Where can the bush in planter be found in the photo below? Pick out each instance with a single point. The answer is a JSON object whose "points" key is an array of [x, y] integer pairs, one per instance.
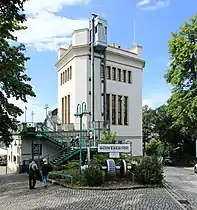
{"points": [[92, 176], [149, 171], [60, 168], [72, 165]]}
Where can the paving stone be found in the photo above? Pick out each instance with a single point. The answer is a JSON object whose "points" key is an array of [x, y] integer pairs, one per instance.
{"points": [[15, 195]]}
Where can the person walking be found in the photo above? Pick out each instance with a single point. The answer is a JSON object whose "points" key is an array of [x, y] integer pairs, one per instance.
{"points": [[33, 168], [46, 168]]}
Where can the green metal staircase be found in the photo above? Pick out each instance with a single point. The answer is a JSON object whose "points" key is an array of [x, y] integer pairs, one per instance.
{"points": [[62, 156], [52, 136], [66, 152]]}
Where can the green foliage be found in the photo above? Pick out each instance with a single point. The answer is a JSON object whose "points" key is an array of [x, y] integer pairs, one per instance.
{"points": [[182, 75], [60, 168], [148, 122], [149, 171], [108, 138], [72, 165], [13, 80], [99, 159], [92, 176], [156, 147]]}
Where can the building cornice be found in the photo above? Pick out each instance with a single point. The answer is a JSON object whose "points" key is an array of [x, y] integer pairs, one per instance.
{"points": [[63, 60]]}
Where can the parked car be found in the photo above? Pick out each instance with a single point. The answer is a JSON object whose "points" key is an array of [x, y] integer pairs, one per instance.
{"points": [[168, 161]]}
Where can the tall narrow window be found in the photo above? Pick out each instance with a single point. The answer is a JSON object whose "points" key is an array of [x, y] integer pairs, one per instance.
{"points": [[113, 73], [113, 110], [119, 75], [66, 75], [62, 110], [129, 76], [108, 107], [125, 110], [119, 110], [61, 79], [102, 71], [124, 75], [68, 109], [70, 72], [108, 72]]}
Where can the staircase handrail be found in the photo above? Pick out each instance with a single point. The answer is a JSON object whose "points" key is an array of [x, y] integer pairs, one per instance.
{"points": [[54, 154], [52, 130]]}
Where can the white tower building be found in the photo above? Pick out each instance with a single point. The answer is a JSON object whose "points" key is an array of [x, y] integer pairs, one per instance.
{"points": [[124, 87]]}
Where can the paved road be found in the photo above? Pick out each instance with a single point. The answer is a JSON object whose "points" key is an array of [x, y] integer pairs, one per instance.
{"points": [[15, 195], [183, 184]]}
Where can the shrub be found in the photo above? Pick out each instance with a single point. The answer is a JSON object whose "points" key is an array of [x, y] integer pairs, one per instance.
{"points": [[155, 147], [75, 173], [72, 165], [149, 171], [100, 159], [92, 176], [60, 168]]}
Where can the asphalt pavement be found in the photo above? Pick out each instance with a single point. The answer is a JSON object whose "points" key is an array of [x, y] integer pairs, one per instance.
{"points": [[182, 184]]}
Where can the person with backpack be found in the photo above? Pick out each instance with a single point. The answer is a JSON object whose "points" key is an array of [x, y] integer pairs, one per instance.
{"points": [[46, 168], [33, 168]]}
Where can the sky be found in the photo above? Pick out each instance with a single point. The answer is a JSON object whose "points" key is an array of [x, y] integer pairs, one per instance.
{"points": [[50, 25]]}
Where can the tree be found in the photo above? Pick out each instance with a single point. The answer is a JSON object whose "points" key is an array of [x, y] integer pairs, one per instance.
{"points": [[13, 80], [148, 122], [182, 75], [167, 133]]}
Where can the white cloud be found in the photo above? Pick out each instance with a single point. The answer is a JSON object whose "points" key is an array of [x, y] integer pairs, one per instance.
{"points": [[38, 6], [152, 4], [46, 29], [156, 99]]}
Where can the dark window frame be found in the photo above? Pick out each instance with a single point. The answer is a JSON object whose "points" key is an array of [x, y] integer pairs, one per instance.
{"points": [[119, 110], [113, 109], [126, 110], [124, 75], [119, 75]]}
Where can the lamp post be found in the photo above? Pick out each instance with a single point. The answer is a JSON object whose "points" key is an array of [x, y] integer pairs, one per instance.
{"points": [[81, 111]]}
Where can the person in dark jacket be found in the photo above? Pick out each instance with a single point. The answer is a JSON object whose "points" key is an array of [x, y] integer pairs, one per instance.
{"points": [[33, 168], [46, 168]]}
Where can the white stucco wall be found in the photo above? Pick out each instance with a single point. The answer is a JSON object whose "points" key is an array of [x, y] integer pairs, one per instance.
{"points": [[25, 151]]}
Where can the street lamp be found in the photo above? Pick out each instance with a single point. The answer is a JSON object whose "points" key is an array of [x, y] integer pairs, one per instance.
{"points": [[81, 111]]}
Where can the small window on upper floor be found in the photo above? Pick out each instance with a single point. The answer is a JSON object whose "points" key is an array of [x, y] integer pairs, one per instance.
{"points": [[70, 72], [124, 75], [119, 75], [129, 76], [61, 79], [108, 72], [113, 73], [102, 71], [66, 75]]}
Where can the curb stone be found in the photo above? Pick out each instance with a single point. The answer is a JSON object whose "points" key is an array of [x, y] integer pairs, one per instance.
{"points": [[135, 187]]}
